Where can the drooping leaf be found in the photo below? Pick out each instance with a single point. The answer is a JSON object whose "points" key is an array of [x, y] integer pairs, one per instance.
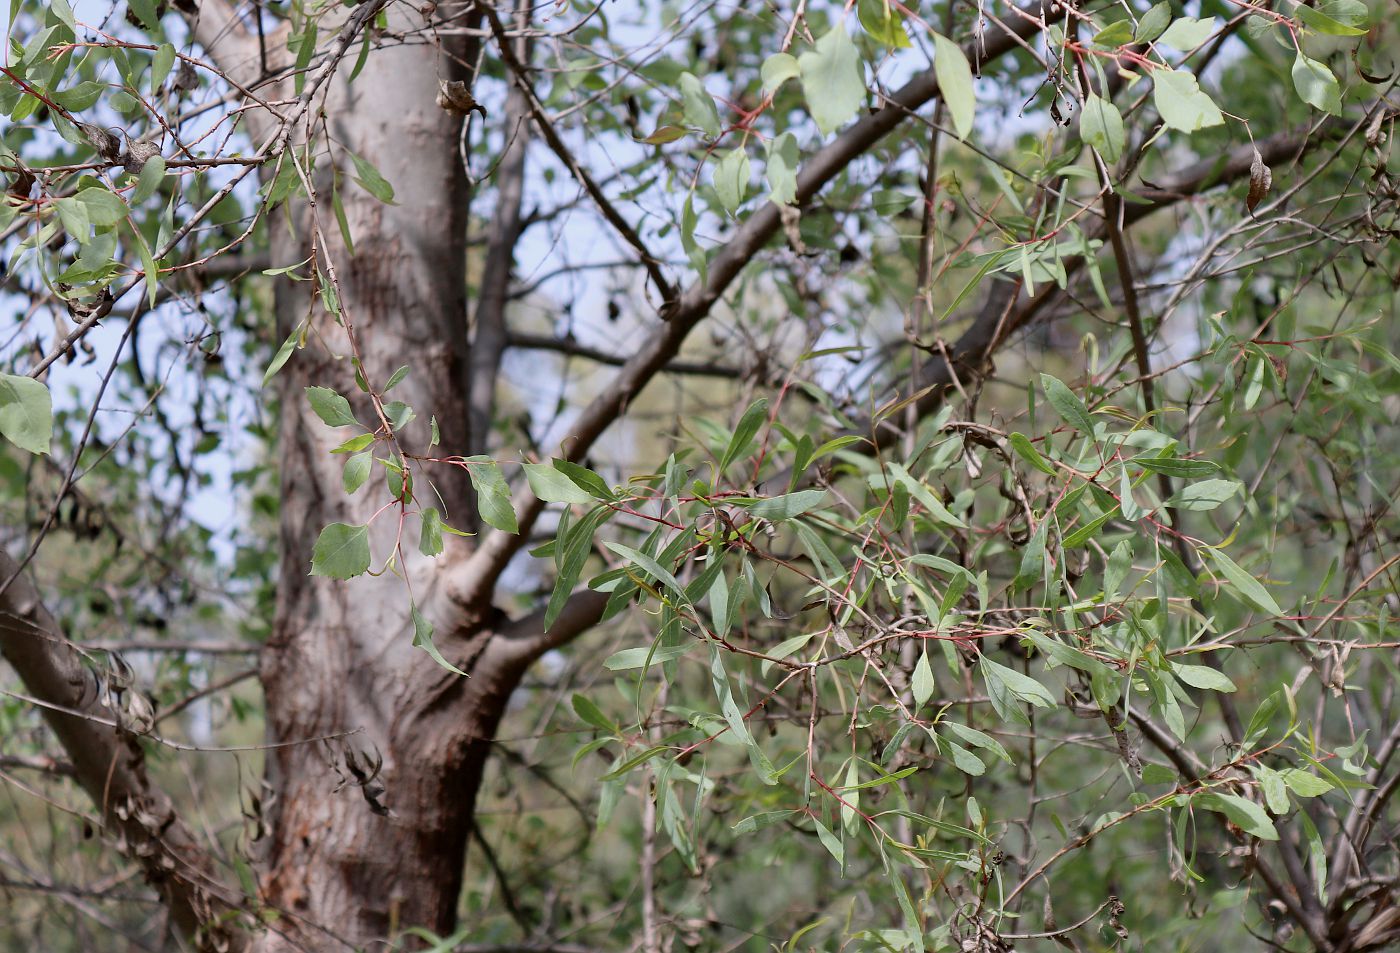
{"points": [[1188, 33], [371, 181], [492, 494], [551, 486], [341, 551], [698, 106], [1316, 85], [832, 79], [883, 23], [423, 639], [430, 532], [732, 178], [26, 413], [333, 409], [357, 470], [1244, 585], [955, 83], [1181, 103], [1067, 405], [1101, 126], [781, 171]]}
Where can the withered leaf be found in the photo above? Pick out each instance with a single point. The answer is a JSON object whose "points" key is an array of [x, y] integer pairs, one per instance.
{"points": [[1261, 179]]}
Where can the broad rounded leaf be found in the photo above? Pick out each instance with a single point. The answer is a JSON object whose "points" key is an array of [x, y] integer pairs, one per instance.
{"points": [[1181, 103], [832, 79], [1316, 85], [26, 413], [341, 552], [333, 409], [1101, 126]]}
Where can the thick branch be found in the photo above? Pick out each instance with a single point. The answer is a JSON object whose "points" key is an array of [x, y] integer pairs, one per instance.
{"points": [[110, 765]]}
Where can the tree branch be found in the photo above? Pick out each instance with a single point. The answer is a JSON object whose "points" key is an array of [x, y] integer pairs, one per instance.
{"points": [[109, 763], [572, 348], [477, 575]]}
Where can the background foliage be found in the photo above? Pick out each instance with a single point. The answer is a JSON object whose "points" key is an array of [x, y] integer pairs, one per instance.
{"points": [[1008, 562]]}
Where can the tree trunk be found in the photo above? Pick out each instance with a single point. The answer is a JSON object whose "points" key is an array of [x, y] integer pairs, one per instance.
{"points": [[355, 858]]}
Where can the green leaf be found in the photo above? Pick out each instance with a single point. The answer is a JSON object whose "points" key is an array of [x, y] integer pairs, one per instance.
{"points": [[551, 486], [779, 508], [574, 544], [1158, 774], [357, 471], [883, 24], [978, 739], [590, 482], [648, 564], [1316, 85], [698, 106], [832, 79], [355, 444], [1101, 126], [645, 655], [664, 135], [922, 682], [1304, 783], [743, 436], [371, 181], [1180, 102], [926, 499], [333, 409], [1188, 33], [1118, 33], [1070, 408], [1242, 812], [1023, 687], [395, 377], [1027, 451], [152, 173], [1177, 467], [63, 11], [103, 208], [781, 171], [398, 414], [430, 532], [732, 178], [146, 12], [954, 75], [149, 267], [777, 70], [830, 841], [492, 494], [1066, 654], [423, 639], [1153, 22], [1203, 677], [758, 822], [1327, 25], [26, 413], [161, 64], [1244, 585], [591, 714], [341, 551], [1205, 495]]}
